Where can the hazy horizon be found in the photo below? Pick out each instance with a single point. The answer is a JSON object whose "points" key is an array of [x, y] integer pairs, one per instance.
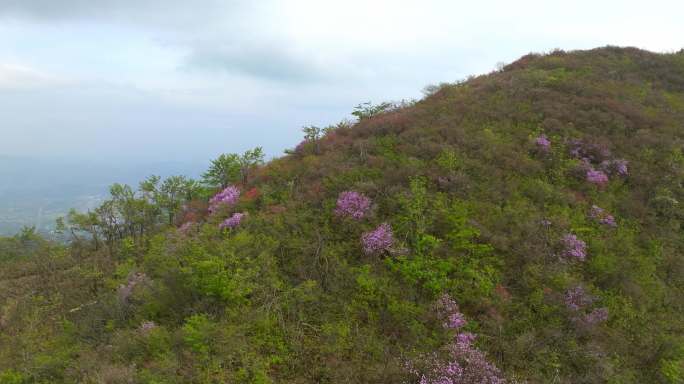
{"points": [[35, 191], [156, 80]]}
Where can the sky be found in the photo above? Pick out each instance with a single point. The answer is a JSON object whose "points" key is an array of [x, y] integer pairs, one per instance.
{"points": [[161, 80]]}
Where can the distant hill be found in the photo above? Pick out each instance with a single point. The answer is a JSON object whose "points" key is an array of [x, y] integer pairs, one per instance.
{"points": [[523, 226], [35, 191]]}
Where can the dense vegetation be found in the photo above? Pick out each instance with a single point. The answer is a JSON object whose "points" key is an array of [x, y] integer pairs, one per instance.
{"points": [[522, 226]]}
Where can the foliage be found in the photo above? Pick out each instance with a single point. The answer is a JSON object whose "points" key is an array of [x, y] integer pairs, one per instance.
{"points": [[231, 168], [480, 196], [367, 110]]}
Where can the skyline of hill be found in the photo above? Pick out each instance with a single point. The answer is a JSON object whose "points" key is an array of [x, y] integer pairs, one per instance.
{"points": [[522, 226]]}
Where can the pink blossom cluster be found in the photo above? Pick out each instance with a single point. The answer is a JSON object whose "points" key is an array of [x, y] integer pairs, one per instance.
{"points": [[591, 174], [473, 364], [378, 240], [598, 315], [434, 370], [465, 338], [465, 365], [591, 154], [616, 166], [233, 221], [543, 143], [455, 321], [597, 177], [229, 196], [621, 167], [602, 216], [576, 298], [574, 247], [352, 204], [448, 309], [595, 152]]}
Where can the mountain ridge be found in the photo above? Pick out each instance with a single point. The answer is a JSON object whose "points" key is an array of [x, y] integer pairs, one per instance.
{"points": [[519, 226]]}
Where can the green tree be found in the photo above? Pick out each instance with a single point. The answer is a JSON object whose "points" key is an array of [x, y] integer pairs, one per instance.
{"points": [[229, 168], [367, 110], [312, 134], [250, 160], [169, 196], [223, 171], [80, 224], [173, 192]]}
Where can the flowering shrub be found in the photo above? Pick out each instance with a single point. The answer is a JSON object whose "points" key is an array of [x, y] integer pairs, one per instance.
{"points": [[352, 204], [448, 309], [602, 216], [232, 221], [598, 315], [466, 364], [621, 167], [591, 155], [597, 177], [574, 247], [576, 298], [465, 338], [543, 143], [379, 240], [229, 196], [618, 167], [455, 321], [591, 151]]}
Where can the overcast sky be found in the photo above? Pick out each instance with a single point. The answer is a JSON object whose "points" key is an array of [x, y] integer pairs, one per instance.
{"points": [[189, 79]]}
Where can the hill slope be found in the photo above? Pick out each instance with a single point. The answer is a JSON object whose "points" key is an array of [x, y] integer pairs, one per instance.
{"points": [[521, 226]]}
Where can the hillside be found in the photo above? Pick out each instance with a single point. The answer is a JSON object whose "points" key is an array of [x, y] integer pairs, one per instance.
{"points": [[521, 226]]}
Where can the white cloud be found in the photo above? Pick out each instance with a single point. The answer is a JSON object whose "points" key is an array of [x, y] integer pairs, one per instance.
{"points": [[210, 68], [20, 77]]}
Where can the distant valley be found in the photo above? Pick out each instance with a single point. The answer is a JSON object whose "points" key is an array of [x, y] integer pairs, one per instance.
{"points": [[35, 192]]}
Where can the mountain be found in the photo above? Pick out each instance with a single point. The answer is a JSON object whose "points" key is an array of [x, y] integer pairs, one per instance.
{"points": [[522, 226]]}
